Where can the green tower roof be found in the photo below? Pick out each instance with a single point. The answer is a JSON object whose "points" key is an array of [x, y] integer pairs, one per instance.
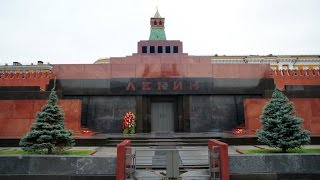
{"points": [[157, 14], [157, 33]]}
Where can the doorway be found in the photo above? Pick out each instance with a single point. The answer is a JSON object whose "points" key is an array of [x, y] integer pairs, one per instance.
{"points": [[162, 117]]}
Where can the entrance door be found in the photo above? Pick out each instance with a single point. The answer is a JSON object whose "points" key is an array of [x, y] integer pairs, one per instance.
{"points": [[162, 117]]}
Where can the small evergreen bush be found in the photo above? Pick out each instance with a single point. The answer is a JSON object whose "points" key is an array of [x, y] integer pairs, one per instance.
{"points": [[48, 132], [281, 128]]}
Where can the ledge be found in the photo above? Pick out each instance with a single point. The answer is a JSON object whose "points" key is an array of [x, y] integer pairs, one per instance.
{"points": [[275, 163], [106, 166], [57, 165]]}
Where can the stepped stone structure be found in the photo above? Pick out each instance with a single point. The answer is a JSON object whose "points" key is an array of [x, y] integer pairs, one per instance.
{"points": [[167, 89]]}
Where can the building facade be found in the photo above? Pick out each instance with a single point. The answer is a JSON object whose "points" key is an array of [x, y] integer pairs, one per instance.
{"points": [[167, 89], [281, 62], [17, 67]]}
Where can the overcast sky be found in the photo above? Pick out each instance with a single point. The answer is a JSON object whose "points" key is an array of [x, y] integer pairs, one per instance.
{"points": [[82, 31]]}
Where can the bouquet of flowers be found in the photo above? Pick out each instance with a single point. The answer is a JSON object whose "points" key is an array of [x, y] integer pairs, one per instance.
{"points": [[129, 123]]}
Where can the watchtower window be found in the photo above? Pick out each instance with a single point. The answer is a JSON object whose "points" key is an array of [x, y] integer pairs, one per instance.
{"points": [[152, 49], [168, 49], [144, 49], [175, 49], [154, 22], [160, 50], [160, 22]]}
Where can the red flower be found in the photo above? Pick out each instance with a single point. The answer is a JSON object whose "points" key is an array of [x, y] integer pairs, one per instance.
{"points": [[128, 120]]}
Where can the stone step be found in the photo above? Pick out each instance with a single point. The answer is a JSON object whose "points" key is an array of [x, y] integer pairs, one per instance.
{"points": [[162, 142]]}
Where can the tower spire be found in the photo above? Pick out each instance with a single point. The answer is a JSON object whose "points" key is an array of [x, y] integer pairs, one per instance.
{"points": [[157, 14], [157, 27]]}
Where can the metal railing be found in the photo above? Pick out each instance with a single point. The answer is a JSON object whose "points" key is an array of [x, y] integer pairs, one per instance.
{"points": [[215, 163], [161, 162]]}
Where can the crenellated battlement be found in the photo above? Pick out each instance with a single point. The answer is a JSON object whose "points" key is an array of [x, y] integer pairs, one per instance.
{"points": [[40, 79], [295, 77], [40, 75], [306, 73]]}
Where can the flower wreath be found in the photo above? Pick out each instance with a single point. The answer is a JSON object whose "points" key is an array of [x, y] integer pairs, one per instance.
{"points": [[129, 122]]}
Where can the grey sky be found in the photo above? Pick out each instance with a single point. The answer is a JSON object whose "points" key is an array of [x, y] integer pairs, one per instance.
{"points": [[82, 31]]}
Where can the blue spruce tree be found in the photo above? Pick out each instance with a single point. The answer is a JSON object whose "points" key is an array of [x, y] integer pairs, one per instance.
{"points": [[281, 128], [48, 132]]}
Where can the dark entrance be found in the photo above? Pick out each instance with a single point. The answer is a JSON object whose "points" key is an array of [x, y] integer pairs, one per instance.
{"points": [[162, 117], [163, 114]]}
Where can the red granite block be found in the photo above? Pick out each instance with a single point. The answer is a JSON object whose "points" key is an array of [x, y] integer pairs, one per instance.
{"points": [[14, 127], [171, 59], [173, 70], [70, 71], [18, 115], [132, 60], [315, 107], [97, 71], [315, 128], [23, 109], [205, 60], [241, 71], [6, 109], [148, 70], [252, 111], [303, 107], [150, 59], [56, 69], [190, 59], [37, 106], [123, 70], [303, 110], [225, 70], [250, 71], [199, 70], [72, 111]]}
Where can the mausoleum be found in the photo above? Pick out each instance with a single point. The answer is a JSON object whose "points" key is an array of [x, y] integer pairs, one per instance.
{"points": [[167, 89]]}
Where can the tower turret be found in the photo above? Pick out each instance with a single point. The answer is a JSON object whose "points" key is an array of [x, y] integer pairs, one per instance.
{"points": [[157, 27], [158, 43]]}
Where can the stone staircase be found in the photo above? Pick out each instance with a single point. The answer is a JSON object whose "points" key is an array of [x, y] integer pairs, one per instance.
{"points": [[159, 141], [162, 162]]}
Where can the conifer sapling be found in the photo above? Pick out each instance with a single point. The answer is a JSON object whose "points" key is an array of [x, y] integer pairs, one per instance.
{"points": [[48, 132], [281, 128]]}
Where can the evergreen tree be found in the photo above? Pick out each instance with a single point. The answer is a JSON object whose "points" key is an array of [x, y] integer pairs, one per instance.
{"points": [[48, 132], [281, 128]]}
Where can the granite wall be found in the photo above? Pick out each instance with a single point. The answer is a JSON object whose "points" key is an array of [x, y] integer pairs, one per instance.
{"points": [[200, 113], [217, 112], [57, 165], [67, 167], [104, 114], [275, 163]]}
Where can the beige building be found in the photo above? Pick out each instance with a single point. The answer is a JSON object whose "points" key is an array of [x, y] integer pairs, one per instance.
{"points": [[277, 62], [17, 67]]}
